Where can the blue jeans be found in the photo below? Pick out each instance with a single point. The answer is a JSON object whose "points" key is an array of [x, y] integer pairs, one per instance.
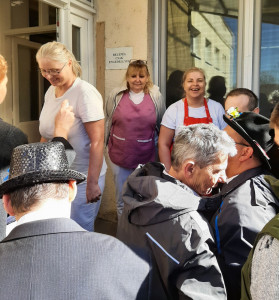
{"points": [[119, 175]]}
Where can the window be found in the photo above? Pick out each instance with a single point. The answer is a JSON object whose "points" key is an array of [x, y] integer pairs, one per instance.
{"points": [[195, 42], [26, 14], [76, 42], [202, 34], [217, 59], [89, 2], [208, 51], [269, 65]]}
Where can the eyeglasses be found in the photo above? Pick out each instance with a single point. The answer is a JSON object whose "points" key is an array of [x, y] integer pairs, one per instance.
{"points": [[52, 72], [137, 62]]}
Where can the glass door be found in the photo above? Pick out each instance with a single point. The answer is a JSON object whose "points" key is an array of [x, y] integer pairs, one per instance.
{"points": [[80, 43], [28, 88]]}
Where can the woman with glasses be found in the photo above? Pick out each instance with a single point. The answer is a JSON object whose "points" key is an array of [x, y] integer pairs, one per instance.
{"points": [[194, 108], [133, 116], [59, 66]]}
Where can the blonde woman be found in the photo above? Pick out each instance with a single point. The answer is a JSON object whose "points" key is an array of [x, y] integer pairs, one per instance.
{"points": [[133, 115], [59, 66], [194, 108]]}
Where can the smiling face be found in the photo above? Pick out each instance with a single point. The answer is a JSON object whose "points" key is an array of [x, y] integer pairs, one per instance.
{"points": [[65, 71], [204, 179], [137, 79], [194, 85]]}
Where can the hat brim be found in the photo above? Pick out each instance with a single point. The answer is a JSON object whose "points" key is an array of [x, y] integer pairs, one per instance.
{"points": [[260, 152], [33, 178]]}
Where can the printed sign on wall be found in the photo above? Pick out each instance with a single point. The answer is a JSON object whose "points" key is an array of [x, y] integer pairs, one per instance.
{"points": [[118, 58]]}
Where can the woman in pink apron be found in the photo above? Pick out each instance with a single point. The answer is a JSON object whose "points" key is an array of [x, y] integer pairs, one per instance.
{"points": [[192, 109], [133, 115]]}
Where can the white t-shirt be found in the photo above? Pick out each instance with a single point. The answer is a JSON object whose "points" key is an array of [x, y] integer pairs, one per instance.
{"points": [[87, 106], [174, 115]]}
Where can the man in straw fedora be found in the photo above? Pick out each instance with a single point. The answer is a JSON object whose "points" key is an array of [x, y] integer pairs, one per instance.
{"points": [[48, 255]]}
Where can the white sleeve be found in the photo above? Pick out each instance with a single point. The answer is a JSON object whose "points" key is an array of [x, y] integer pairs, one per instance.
{"points": [[222, 123], [169, 117], [90, 105], [218, 114]]}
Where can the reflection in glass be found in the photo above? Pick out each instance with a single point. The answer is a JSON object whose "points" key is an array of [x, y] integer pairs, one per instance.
{"points": [[269, 68], [76, 42], [204, 36], [26, 14]]}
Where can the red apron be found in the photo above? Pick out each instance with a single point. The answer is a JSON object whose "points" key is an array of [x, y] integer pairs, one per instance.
{"points": [[190, 120]]}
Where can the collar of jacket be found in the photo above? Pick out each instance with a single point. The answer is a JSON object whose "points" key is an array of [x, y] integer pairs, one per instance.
{"points": [[43, 227], [241, 178], [151, 196]]}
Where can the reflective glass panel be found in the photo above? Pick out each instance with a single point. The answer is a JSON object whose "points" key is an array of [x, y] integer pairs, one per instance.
{"points": [[76, 42], [202, 34], [269, 68], [25, 13]]}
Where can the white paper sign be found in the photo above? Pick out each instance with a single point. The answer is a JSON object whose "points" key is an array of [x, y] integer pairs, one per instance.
{"points": [[118, 58]]}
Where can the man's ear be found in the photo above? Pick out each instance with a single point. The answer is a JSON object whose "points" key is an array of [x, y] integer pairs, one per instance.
{"points": [[8, 204], [189, 168], [256, 110], [246, 153], [72, 190]]}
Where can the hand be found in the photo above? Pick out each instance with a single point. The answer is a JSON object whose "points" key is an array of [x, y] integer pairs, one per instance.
{"points": [[93, 192], [64, 120]]}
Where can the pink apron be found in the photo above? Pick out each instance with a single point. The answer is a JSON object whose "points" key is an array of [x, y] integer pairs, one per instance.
{"points": [[131, 139]]}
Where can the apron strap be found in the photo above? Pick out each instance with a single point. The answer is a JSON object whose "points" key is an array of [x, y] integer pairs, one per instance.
{"points": [[186, 112]]}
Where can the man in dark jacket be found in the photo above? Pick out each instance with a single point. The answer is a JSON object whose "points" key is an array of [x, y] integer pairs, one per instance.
{"points": [[42, 257], [248, 201], [161, 214], [260, 272]]}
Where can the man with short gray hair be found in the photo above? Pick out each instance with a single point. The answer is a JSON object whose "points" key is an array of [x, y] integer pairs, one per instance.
{"points": [[161, 214]]}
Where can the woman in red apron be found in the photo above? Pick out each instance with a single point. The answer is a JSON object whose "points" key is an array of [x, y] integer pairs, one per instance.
{"points": [[193, 109]]}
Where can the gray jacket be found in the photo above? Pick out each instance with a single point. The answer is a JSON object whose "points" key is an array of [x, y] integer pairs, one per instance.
{"points": [[115, 97], [248, 204], [57, 259], [160, 215]]}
